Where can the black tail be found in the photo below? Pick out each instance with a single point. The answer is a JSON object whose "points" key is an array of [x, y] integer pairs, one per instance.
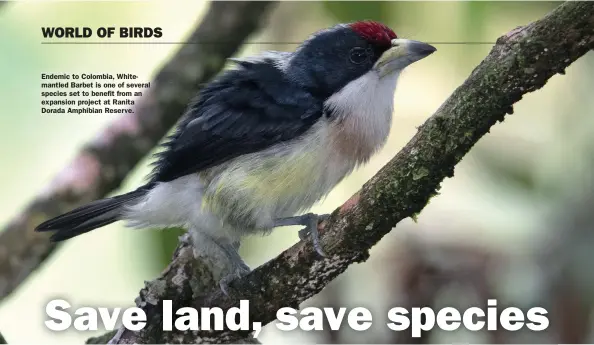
{"points": [[88, 217]]}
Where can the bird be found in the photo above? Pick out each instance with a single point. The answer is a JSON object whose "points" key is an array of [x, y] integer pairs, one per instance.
{"points": [[263, 142]]}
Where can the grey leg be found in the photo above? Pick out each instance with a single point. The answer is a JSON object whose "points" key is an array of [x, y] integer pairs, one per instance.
{"points": [[117, 336], [310, 221], [222, 254], [240, 269]]}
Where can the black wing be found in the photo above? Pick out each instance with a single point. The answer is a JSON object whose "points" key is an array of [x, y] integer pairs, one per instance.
{"points": [[243, 111]]}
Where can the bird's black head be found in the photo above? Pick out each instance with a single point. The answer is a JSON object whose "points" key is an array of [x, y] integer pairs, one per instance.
{"points": [[333, 57]]}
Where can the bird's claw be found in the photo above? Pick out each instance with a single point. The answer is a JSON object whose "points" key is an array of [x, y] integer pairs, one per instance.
{"points": [[312, 231], [303, 234], [239, 273]]}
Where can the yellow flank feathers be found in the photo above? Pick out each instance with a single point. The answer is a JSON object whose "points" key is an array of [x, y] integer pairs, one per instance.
{"points": [[274, 177]]}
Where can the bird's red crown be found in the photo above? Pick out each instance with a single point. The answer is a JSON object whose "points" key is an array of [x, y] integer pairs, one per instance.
{"points": [[374, 32]]}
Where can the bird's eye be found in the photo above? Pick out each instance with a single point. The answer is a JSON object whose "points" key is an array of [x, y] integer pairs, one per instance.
{"points": [[358, 55]]}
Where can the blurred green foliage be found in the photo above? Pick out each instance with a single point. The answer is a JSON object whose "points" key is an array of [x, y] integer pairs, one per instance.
{"points": [[514, 168], [350, 11]]}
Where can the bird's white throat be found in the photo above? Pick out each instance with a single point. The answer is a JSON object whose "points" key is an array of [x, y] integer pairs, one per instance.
{"points": [[363, 111]]}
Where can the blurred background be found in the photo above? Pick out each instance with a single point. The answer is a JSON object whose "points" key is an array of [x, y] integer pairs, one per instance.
{"points": [[514, 223]]}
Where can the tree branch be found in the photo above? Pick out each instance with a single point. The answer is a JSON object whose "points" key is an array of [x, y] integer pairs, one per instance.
{"points": [[521, 62], [102, 164]]}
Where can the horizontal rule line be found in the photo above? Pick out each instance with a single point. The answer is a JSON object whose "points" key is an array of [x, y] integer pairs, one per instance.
{"points": [[254, 43]]}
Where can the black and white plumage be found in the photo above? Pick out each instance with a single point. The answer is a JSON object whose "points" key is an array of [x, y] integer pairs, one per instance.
{"points": [[245, 110], [265, 141]]}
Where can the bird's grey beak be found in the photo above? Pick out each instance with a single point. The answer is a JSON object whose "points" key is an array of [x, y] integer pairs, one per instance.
{"points": [[402, 53]]}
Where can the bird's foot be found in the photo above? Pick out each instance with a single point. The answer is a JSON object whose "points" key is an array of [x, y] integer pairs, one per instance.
{"points": [[222, 255], [311, 221], [116, 338], [239, 272], [311, 230]]}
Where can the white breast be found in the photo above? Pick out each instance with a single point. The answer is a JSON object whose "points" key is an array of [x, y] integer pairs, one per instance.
{"points": [[363, 111]]}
